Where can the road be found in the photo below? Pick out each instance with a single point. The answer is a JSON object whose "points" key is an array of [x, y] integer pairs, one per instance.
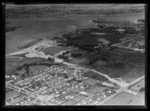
{"points": [[121, 90], [129, 47], [32, 50]]}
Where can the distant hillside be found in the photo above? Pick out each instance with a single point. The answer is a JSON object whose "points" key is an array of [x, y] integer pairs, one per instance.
{"points": [[48, 10]]}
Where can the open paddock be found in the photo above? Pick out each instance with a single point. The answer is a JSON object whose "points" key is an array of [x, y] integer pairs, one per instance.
{"points": [[126, 99], [56, 49]]}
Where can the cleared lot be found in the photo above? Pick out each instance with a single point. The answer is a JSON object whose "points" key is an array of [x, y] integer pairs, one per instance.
{"points": [[126, 99], [55, 50]]}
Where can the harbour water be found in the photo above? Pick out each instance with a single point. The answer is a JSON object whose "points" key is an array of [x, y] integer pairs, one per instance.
{"points": [[51, 27]]}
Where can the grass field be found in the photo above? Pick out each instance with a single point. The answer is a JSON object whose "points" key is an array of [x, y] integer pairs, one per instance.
{"points": [[12, 65], [138, 86], [29, 43], [56, 49], [126, 99], [117, 62]]}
